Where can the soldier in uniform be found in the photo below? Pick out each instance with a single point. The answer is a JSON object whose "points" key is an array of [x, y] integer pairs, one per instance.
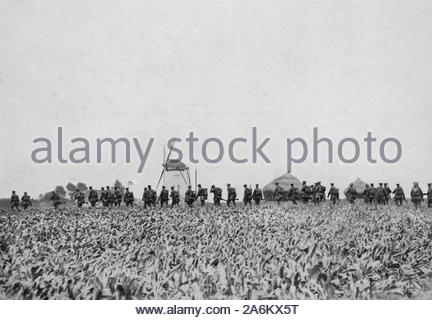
{"points": [[429, 195], [351, 193], [164, 196], [333, 193], [247, 195], [293, 193], [315, 193], [387, 192], [175, 197], [371, 194], [232, 195], [380, 194], [416, 195], [257, 195], [190, 196], [318, 193], [14, 201], [217, 195], [93, 197], [55, 198], [365, 193], [399, 195], [202, 194], [323, 191], [110, 196], [145, 198], [128, 198], [104, 197], [151, 196], [278, 193], [26, 201], [117, 197], [148, 197], [306, 192], [79, 197]]}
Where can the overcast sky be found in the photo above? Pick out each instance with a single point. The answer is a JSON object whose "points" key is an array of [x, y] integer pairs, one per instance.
{"points": [[164, 68]]}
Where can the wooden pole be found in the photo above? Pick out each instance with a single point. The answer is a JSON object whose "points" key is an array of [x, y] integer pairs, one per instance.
{"points": [[163, 161]]}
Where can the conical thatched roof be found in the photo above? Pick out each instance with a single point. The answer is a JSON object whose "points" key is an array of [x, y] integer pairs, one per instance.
{"points": [[284, 180], [359, 185]]}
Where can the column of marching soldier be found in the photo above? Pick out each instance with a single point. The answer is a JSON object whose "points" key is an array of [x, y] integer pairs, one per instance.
{"points": [[380, 195]]}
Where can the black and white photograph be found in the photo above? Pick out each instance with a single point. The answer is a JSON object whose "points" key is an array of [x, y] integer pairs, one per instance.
{"points": [[215, 159]]}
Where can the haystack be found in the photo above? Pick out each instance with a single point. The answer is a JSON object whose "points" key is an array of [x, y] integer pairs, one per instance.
{"points": [[359, 185], [285, 181]]}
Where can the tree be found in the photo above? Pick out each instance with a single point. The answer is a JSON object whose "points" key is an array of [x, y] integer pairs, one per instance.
{"points": [[60, 190], [82, 186], [71, 188], [46, 196], [119, 185]]}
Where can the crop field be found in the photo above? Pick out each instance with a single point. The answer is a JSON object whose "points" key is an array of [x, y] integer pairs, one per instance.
{"points": [[269, 252]]}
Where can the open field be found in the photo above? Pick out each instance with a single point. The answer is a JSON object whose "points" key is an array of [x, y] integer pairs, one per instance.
{"points": [[270, 252]]}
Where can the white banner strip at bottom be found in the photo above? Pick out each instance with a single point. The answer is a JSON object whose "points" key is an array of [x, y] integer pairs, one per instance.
{"points": [[217, 309]]}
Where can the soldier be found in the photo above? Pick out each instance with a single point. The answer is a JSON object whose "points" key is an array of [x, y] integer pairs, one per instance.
{"points": [[79, 197], [164, 196], [257, 195], [371, 194], [387, 192], [190, 196], [351, 193], [416, 195], [217, 195], [232, 195], [366, 193], [278, 193], [128, 198], [14, 201], [110, 198], [145, 198], [293, 193], [26, 201], [318, 193], [306, 192], [323, 191], [93, 197], [247, 195], [104, 197], [315, 193], [55, 198], [333, 193], [151, 196], [380, 194], [202, 194], [175, 197], [117, 197], [148, 197], [399, 195], [429, 195]]}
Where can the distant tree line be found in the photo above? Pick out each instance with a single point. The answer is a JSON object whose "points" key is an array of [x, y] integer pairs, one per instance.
{"points": [[71, 188]]}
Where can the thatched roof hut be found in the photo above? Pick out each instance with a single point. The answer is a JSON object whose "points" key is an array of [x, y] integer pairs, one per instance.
{"points": [[284, 181]]}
